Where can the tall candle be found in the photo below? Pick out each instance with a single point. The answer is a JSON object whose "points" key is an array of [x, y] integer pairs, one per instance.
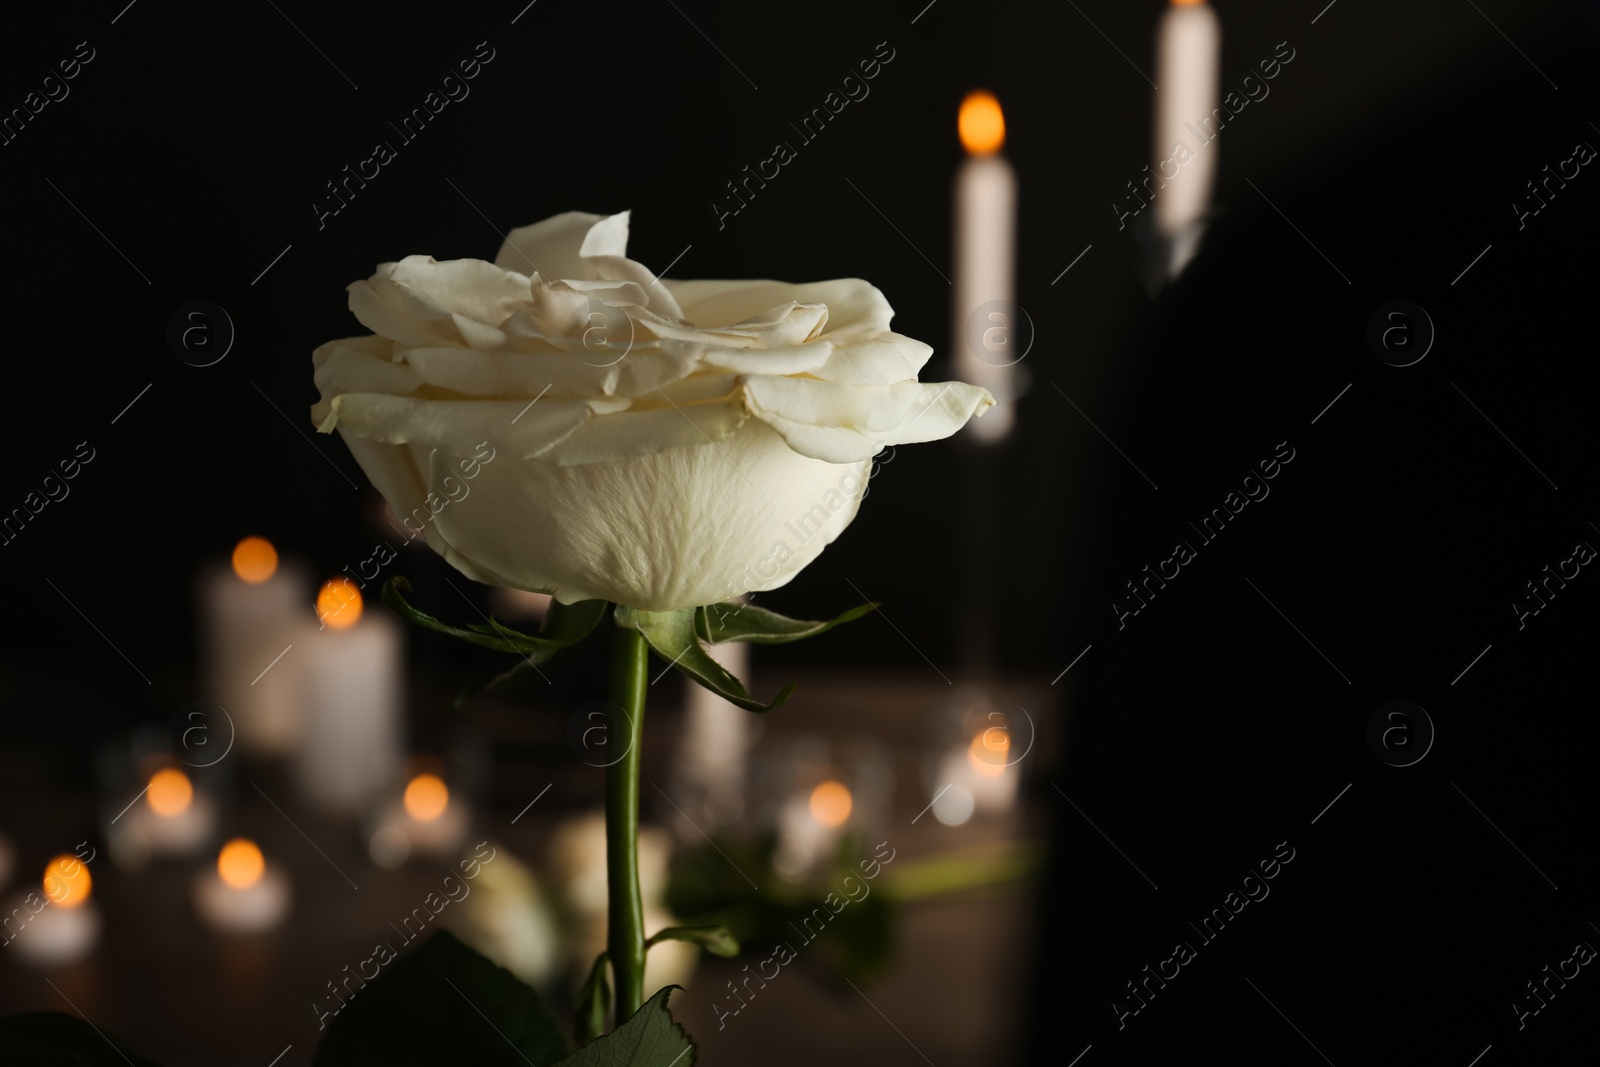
{"points": [[1188, 47], [247, 611], [352, 675], [716, 735], [985, 334]]}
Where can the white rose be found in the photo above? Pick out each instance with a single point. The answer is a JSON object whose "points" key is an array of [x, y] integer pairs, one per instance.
{"points": [[563, 421]]}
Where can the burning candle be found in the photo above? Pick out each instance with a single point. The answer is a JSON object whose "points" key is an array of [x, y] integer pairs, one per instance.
{"points": [[248, 611], [168, 817], [424, 819], [978, 776], [434, 825], [352, 674], [1188, 47], [244, 894], [985, 334], [993, 782], [809, 824], [174, 819], [61, 927]]}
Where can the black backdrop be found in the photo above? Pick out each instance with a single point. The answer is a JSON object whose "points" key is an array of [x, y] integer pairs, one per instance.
{"points": [[1225, 715]]}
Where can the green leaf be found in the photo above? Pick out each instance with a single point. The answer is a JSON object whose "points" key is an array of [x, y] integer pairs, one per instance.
{"points": [[672, 635], [717, 940], [443, 1003], [758, 626], [594, 1002], [564, 625], [649, 1039], [56, 1038]]}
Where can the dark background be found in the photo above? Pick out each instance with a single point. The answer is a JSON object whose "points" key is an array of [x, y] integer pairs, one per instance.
{"points": [[1202, 734]]}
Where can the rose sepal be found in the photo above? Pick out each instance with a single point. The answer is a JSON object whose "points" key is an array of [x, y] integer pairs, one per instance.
{"points": [[672, 635], [717, 940], [732, 621], [564, 625]]}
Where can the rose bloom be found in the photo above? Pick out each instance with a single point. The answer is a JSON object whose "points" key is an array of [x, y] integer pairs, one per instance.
{"points": [[563, 421]]}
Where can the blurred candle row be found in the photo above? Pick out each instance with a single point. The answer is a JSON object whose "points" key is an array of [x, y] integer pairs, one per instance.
{"points": [[58, 923]]}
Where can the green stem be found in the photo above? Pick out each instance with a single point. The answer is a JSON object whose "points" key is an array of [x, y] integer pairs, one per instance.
{"points": [[625, 931]]}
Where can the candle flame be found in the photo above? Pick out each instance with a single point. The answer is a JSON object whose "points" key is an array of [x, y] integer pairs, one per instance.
{"points": [[240, 863], [170, 792], [981, 123], [339, 603], [426, 797], [255, 560], [66, 881], [1186, 3], [831, 803], [988, 751]]}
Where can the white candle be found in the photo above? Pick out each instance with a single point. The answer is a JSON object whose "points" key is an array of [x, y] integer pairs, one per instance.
{"points": [[243, 894], [716, 736], [426, 820], [352, 676], [59, 925], [808, 826], [981, 768], [1188, 48], [247, 610], [985, 333], [170, 818]]}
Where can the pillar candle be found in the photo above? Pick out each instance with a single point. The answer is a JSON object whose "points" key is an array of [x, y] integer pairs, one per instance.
{"points": [[247, 611], [352, 689], [984, 333], [1188, 50]]}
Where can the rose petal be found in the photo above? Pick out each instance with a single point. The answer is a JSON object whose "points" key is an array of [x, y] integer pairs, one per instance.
{"points": [[552, 247], [642, 431], [608, 237], [856, 309], [566, 375], [882, 360], [521, 427], [747, 514], [803, 359], [842, 423]]}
